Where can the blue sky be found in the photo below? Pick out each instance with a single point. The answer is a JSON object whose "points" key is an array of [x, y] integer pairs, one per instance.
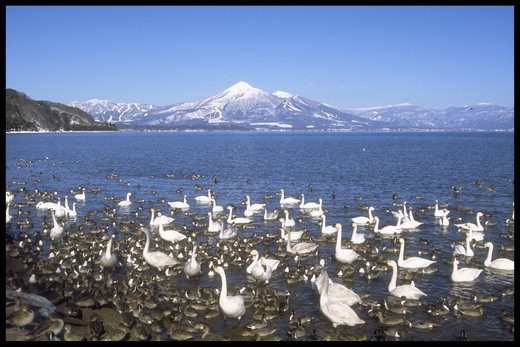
{"points": [[345, 56]]}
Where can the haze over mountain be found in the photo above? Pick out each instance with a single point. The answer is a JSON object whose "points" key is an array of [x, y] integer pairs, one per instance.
{"points": [[244, 107]]}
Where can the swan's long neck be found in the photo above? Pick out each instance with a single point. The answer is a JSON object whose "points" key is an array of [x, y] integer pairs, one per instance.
{"points": [[404, 209], [282, 196], [376, 225], [303, 201], [478, 222], [393, 280], [67, 203], [399, 219], [230, 215], [193, 254], [410, 215], [153, 217], [289, 249], [323, 223], [401, 252], [54, 221], [147, 244], [253, 263], [370, 217], [338, 237], [354, 232], [223, 291], [489, 255], [436, 207], [455, 268], [109, 247]]}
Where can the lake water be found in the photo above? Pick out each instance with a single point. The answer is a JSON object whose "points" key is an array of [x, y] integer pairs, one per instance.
{"points": [[349, 171]]}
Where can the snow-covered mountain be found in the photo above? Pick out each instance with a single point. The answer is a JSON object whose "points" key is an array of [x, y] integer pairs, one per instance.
{"points": [[245, 107], [482, 116]]}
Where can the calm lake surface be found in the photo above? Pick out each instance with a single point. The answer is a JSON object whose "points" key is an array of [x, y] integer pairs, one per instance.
{"points": [[349, 171]]}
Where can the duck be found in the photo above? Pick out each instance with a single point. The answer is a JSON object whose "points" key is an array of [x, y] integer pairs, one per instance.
{"points": [[498, 263], [180, 205], [411, 262], [108, 260], [160, 219], [287, 201], [310, 205], [300, 248], [388, 229], [232, 305], [327, 229], [472, 226], [363, 220], [157, 259], [54, 324], [236, 220], [356, 238], [337, 311], [337, 291], [126, 202], [204, 199], [407, 290], [466, 251], [464, 274], [192, 266], [171, 235], [343, 255]]}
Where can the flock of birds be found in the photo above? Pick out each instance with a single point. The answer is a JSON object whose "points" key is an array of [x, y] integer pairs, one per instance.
{"points": [[102, 261]]}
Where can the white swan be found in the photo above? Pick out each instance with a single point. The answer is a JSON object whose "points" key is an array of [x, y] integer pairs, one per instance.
{"points": [[272, 263], [498, 263], [160, 219], [310, 205], [8, 197], [388, 229], [362, 220], [180, 205], [254, 207], [236, 220], [472, 226], [57, 230], [170, 235], [410, 223], [216, 208], [337, 291], [270, 215], [464, 274], [261, 268], [438, 213], [287, 201], [475, 235], [72, 213], [60, 211], [296, 235], [81, 196], [300, 248], [407, 290], [317, 213], [444, 221], [460, 249], [214, 226], [412, 262], [47, 205], [204, 199], [108, 260], [227, 233], [126, 202], [192, 266], [356, 238], [232, 306], [157, 259], [343, 255], [7, 215], [327, 229], [337, 311]]}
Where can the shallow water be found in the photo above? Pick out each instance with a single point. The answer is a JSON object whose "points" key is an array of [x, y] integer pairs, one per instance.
{"points": [[348, 171]]}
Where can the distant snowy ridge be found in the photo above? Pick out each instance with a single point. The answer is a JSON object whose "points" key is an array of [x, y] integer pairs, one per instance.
{"points": [[247, 107]]}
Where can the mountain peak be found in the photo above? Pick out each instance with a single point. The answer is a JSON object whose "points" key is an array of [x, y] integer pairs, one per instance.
{"points": [[241, 88]]}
